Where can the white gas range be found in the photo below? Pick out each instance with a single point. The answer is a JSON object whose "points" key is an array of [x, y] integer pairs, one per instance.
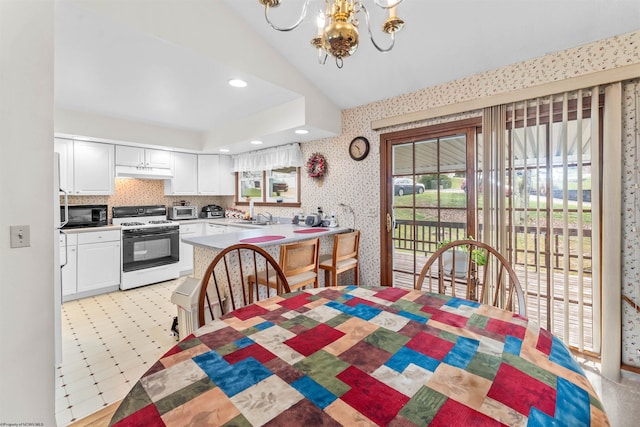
{"points": [[150, 245]]}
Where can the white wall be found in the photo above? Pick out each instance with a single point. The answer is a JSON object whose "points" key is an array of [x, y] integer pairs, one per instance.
{"points": [[26, 167]]}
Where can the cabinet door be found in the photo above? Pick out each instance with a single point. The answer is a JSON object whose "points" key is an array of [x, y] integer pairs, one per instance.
{"points": [[69, 276], [64, 147], [129, 156], [208, 174], [98, 265], [93, 168], [185, 175], [227, 179], [158, 159]]}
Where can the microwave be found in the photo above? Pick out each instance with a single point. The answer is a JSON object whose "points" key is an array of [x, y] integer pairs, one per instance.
{"points": [[85, 216], [182, 212]]}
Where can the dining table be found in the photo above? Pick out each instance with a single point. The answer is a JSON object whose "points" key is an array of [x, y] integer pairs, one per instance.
{"points": [[365, 356]]}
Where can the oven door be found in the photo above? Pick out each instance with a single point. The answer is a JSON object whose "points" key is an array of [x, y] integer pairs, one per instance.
{"points": [[150, 247]]}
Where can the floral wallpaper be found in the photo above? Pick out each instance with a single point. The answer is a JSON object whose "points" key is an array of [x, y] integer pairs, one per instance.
{"points": [[630, 223]]}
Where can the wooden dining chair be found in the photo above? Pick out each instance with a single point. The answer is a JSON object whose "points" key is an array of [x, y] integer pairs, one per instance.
{"points": [[343, 258], [299, 262], [478, 270], [230, 271]]}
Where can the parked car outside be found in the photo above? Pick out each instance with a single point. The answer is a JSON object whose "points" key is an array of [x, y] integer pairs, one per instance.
{"points": [[406, 186], [463, 186]]}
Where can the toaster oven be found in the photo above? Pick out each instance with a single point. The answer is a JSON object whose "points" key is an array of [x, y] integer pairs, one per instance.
{"points": [[182, 212]]}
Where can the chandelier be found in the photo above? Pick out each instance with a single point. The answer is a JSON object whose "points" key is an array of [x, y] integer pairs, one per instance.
{"points": [[337, 33]]}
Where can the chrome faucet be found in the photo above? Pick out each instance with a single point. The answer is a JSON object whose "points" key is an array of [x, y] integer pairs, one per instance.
{"points": [[269, 218]]}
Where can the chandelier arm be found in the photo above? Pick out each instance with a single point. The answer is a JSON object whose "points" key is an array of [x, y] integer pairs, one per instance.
{"points": [[387, 6], [294, 26], [393, 37]]}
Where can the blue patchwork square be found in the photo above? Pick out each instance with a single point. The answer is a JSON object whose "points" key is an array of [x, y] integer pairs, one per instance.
{"points": [[512, 345], [362, 311], [264, 325], [403, 357], [232, 379], [561, 355], [413, 316], [462, 352], [313, 391]]}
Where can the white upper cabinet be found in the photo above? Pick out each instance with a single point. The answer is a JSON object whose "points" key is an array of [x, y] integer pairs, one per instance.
{"points": [[226, 176], [185, 175], [93, 168], [215, 176], [143, 157], [86, 168]]}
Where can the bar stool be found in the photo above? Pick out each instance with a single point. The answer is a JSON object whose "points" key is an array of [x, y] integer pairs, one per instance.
{"points": [[299, 262], [343, 258]]}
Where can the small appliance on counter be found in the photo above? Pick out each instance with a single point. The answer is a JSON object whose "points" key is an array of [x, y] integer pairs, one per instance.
{"points": [[182, 212], [212, 211]]}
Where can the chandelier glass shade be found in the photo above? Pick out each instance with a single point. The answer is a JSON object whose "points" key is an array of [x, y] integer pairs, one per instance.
{"points": [[337, 26]]}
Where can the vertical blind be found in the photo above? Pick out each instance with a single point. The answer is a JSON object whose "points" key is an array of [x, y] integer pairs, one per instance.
{"points": [[540, 164]]}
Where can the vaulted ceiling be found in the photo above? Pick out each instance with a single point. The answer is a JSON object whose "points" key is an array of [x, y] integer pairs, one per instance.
{"points": [[167, 62]]}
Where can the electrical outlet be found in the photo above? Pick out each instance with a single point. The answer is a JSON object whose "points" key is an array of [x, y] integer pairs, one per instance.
{"points": [[20, 236]]}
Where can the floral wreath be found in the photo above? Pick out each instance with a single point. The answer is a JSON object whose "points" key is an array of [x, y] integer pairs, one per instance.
{"points": [[316, 166]]}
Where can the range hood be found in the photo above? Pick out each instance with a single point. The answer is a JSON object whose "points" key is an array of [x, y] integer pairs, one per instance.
{"points": [[143, 173]]}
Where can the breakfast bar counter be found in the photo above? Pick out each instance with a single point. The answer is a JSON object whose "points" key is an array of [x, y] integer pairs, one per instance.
{"points": [[260, 235], [206, 247]]}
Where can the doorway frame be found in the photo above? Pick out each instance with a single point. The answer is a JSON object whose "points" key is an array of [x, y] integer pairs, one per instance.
{"points": [[471, 126]]}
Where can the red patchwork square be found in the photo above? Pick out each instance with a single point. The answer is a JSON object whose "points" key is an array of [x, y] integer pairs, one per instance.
{"points": [[147, 416], [295, 302], [430, 345], [256, 351], [520, 391], [314, 339], [244, 313], [391, 294], [453, 413], [446, 318], [505, 328], [372, 398], [355, 301], [545, 340]]}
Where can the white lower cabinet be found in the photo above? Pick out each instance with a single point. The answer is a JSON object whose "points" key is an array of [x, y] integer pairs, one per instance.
{"points": [[185, 265], [69, 257], [93, 264]]}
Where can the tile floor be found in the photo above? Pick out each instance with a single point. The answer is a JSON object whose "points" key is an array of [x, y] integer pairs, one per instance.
{"points": [[108, 342]]}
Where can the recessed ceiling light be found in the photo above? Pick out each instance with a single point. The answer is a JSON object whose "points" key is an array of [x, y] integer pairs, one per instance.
{"points": [[237, 83], [301, 131], [256, 142], [224, 150]]}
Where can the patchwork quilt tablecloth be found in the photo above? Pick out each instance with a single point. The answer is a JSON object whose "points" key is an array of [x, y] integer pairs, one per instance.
{"points": [[365, 356]]}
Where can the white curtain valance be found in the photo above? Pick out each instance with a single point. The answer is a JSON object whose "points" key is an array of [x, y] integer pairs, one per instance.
{"points": [[268, 159]]}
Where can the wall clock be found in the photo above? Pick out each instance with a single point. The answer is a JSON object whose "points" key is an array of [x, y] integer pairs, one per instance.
{"points": [[359, 148]]}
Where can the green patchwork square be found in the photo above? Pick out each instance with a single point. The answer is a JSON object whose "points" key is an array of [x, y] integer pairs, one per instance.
{"points": [[478, 320], [323, 368], [136, 400], [184, 395], [239, 421], [484, 365], [387, 340], [303, 320], [410, 307], [448, 336], [338, 320], [423, 406]]}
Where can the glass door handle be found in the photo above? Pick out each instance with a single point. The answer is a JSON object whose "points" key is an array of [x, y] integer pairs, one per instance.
{"points": [[389, 223]]}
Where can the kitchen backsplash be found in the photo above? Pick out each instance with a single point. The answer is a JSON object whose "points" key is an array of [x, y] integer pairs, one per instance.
{"points": [[130, 192]]}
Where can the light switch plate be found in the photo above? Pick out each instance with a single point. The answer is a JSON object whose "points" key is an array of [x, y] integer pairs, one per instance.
{"points": [[20, 236]]}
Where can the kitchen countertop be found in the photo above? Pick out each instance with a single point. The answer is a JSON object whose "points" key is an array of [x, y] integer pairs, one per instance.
{"points": [[90, 229], [260, 235]]}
